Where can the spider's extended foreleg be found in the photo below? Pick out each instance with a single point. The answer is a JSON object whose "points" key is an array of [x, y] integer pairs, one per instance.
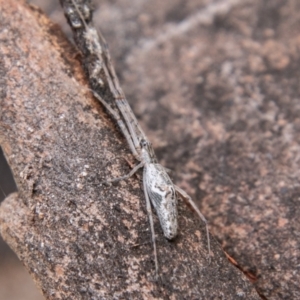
{"points": [[115, 114], [150, 216], [185, 196]]}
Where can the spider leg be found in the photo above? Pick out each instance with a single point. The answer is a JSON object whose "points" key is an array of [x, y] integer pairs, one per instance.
{"points": [[135, 129], [116, 116], [132, 172], [185, 196], [150, 216], [129, 122]]}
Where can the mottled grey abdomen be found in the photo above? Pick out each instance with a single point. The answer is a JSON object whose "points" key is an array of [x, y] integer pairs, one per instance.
{"points": [[162, 194]]}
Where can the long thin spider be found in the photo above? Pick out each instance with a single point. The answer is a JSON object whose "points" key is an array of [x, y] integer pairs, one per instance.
{"points": [[158, 187]]}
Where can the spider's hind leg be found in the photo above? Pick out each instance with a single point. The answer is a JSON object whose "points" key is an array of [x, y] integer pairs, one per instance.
{"points": [[185, 196]]}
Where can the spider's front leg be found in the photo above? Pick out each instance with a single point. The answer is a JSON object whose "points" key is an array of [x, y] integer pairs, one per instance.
{"points": [[131, 173]]}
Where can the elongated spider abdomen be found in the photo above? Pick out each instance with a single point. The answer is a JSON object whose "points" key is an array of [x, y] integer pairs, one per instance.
{"points": [[163, 197]]}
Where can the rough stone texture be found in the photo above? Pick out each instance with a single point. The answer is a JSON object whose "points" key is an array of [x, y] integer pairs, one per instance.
{"points": [[220, 101], [77, 239], [215, 84]]}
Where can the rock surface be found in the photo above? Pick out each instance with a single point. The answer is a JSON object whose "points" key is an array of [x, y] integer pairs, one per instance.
{"points": [[80, 240], [215, 85]]}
